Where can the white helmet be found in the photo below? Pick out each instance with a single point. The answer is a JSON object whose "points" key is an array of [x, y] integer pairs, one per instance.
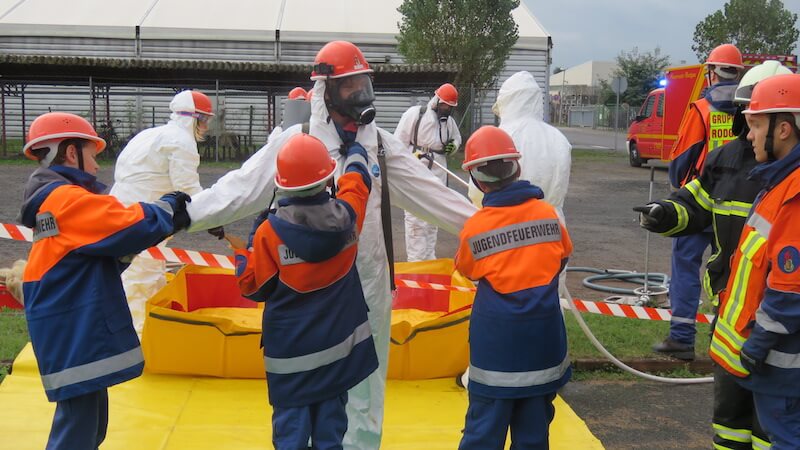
{"points": [[758, 73]]}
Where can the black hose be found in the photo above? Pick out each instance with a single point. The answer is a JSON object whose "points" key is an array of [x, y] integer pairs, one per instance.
{"points": [[654, 280]]}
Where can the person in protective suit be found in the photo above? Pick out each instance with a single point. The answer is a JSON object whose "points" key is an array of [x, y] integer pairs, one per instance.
{"points": [[546, 151], [78, 320], [302, 264], [515, 247], [705, 127], [757, 335], [156, 161], [430, 132], [342, 116], [721, 198]]}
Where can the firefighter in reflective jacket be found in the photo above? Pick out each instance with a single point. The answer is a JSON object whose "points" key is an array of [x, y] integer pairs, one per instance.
{"points": [[515, 247], [757, 335], [79, 323], [705, 126], [721, 198], [317, 339]]}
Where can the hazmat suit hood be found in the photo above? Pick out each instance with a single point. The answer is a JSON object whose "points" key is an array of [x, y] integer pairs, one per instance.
{"points": [[182, 102], [520, 94], [721, 96], [546, 153]]}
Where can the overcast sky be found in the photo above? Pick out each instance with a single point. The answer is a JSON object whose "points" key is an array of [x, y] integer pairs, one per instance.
{"points": [[584, 30]]}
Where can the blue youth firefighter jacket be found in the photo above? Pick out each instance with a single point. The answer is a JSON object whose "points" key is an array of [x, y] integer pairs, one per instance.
{"points": [[78, 318], [516, 247], [316, 337]]}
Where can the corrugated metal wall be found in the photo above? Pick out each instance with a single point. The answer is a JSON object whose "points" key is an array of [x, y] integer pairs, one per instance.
{"points": [[133, 108]]}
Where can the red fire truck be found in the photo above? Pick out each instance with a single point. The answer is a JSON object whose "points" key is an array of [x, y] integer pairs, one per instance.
{"points": [[655, 129]]}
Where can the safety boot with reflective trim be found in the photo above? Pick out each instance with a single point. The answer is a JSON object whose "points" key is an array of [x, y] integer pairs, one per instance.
{"points": [[669, 347]]}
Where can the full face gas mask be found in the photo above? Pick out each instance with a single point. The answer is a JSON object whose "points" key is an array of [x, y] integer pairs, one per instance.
{"points": [[443, 111], [352, 97]]}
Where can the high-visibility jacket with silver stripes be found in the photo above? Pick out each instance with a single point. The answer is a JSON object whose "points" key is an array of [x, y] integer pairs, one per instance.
{"points": [[316, 337], [721, 198], [760, 308], [515, 247], [705, 127], [78, 319]]}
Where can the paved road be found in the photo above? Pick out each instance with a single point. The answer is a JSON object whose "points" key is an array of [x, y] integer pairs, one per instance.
{"points": [[591, 138]]}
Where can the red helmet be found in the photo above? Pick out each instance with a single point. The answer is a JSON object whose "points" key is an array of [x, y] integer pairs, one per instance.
{"points": [[486, 144], [302, 163], [780, 93], [52, 128], [297, 93], [191, 103], [725, 55], [448, 93], [339, 59]]}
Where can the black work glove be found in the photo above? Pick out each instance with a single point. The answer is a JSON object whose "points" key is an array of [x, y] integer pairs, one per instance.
{"points": [[751, 363], [180, 217], [650, 215], [217, 232]]}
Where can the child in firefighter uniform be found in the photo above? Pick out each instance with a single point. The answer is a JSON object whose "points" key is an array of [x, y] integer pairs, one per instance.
{"points": [[316, 337], [515, 246], [757, 335], [79, 323]]}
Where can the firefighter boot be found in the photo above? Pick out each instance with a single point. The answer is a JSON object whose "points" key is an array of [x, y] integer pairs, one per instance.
{"points": [[669, 347]]}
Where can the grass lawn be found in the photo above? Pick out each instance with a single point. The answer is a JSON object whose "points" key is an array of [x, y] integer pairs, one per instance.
{"points": [[13, 336]]}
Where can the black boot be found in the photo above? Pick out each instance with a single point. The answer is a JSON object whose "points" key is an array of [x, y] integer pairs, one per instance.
{"points": [[684, 352]]}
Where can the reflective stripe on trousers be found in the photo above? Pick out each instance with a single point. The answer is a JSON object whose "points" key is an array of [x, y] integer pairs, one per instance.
{"points": [[92, 370], [518, 379], [321, 358]]}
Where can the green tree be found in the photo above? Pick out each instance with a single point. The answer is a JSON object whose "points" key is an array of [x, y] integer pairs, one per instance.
{"points": [[642, 71], [477, 34], [755, 26]]}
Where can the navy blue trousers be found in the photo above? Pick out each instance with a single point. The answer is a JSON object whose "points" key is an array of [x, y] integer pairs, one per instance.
{"points": [[684, 286], [488, 421], [323, 423], [80, 423], [780, 418]]}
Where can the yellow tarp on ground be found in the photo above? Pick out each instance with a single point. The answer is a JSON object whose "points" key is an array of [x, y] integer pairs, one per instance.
{"points": [[172, 412]]}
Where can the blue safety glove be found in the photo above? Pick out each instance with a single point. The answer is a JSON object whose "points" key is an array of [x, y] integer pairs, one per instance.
{"points": [[450, 147], [357, 161], [180, 217], [752, 363]]}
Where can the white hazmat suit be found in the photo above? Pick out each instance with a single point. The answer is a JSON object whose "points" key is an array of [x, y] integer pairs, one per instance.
{"points": [[155, 162], [248, 190], [546, 153], [432, 136]]}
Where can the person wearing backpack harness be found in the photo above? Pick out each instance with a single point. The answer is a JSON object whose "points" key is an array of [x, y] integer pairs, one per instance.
{"points": [[342, 116], [430, 132], [721, 198], [757, 334], [705, 127]]}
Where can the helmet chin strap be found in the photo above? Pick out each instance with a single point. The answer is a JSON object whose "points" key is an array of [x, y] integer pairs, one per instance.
{"points": [[769, 146]]}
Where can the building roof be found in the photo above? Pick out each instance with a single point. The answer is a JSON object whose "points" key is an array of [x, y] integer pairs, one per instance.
{"points": [[587, 74], [33, 69], [365, 21]]}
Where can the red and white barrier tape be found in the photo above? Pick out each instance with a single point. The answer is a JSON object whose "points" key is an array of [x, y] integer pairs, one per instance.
{"points": [[606, 309], [168, 254], [178, 255]]}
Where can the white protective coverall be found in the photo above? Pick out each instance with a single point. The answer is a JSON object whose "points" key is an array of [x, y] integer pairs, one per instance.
{"points": [[431, 137], [248, 190], [155, 162], [546, 153]]}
